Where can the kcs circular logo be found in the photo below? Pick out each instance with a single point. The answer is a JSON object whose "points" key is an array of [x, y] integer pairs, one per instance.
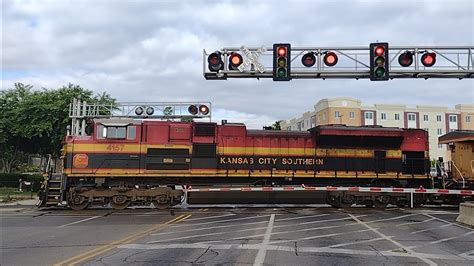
{"points": [[80, 160]]}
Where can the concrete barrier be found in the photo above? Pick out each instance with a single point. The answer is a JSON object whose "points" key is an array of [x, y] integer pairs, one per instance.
{"points": [[466, 213]]}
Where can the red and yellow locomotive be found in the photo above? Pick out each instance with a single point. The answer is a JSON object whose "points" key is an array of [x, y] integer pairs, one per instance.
{"points": [[131, 161]]}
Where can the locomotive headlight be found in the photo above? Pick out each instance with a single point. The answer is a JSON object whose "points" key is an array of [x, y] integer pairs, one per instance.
{"points": [[139, 110], [203, 109], [149, 110]]}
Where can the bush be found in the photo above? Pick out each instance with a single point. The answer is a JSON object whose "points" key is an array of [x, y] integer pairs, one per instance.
{"points": [[13, 180]]}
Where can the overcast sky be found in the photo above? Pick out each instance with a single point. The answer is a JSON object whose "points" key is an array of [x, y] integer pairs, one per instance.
{"points": [[152, 50]]}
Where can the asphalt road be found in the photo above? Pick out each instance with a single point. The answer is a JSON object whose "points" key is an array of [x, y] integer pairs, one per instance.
{"points": [[272, 235]]}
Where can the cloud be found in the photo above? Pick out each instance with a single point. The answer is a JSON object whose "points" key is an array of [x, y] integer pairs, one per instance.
{"points": [[152, 50]]}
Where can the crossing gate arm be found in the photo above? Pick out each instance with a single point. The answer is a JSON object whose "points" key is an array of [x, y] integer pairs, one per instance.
{"points": [[464, 192]]}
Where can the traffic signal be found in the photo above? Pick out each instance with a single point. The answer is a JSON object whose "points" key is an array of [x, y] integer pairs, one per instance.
{"points": [[215, 62], [203, 109], [379, 61], [235, 60], [308, 60], [192, 109], [281, 62], [406, 59], [428, 59], [330, 59]]}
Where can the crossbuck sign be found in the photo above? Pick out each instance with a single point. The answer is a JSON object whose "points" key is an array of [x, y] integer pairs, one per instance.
{"points": [[252, 58]]}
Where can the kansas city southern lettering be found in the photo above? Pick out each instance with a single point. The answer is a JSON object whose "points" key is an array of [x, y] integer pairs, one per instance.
{"points": [[270, 161]]}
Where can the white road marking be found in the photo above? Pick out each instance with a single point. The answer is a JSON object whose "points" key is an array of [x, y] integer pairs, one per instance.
{"points": [[448, 222], [80, 221], [210, 217], [391, 240], [302, 217], [390, 219], [431, 228], [220, 221], [208, 228], [315, 222], [318, 236], [443, 240], [292, 249], [282, 232], [467, 254], [262, 251], [419, 222], [209, 234], [357, 242]]}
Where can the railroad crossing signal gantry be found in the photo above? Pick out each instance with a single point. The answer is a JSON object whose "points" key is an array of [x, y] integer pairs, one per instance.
{"points": [[356, 62]]}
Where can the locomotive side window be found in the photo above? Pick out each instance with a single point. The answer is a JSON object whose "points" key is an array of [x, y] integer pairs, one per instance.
{"points": [[101, 132], [131, 132], [116, 132]]}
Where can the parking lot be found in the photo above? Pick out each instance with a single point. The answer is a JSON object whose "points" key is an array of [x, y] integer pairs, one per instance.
{"points": [[235, 235]]}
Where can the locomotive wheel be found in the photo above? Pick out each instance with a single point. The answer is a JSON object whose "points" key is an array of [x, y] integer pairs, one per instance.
{"points": [[162, 202], [78, 203], [334, 201], [347, 201], [120, 202], [381, 201], [160, 206]]}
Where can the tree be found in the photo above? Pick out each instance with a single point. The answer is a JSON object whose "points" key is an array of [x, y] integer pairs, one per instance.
{"points": [[274, 126], [35, 121]]}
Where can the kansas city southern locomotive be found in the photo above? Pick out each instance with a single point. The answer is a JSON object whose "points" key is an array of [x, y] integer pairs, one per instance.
{"points": [[137, 161]]}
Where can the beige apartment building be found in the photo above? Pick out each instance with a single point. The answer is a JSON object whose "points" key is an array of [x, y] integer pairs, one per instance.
{"points": [[437, 120]]}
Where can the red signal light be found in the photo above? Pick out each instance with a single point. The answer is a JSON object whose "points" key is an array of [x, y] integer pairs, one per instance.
{"points": [[428, 59], [281, 51], [308, 60], [213, 59], [192, 109], [215, 62], [379, 50], [405, 59], [330, 59], [235, 60]]}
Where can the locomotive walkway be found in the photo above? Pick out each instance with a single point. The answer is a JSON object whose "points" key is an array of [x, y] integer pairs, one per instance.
{"points": [[272, 235]]}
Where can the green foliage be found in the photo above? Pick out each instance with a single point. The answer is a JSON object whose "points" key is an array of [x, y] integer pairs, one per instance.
{"points": [[34, 121], [274, 126], [13, 180]]}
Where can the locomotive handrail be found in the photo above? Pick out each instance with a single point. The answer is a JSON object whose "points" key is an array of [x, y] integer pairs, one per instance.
{"points": [[460, 174]]}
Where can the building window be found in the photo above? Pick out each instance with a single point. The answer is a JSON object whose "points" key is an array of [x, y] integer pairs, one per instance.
{"points": [[411, 117], [425, 117], [468, 119], [352, 115], [438, 118], [324, 116], [313, 121], [440, 131], [397, 116], [368, 115], [337, 114], [383, 116], [453, 118], [440, 146]]}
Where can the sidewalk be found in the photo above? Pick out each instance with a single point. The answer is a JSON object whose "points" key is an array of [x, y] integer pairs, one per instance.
{"points": [[26, 202]]}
